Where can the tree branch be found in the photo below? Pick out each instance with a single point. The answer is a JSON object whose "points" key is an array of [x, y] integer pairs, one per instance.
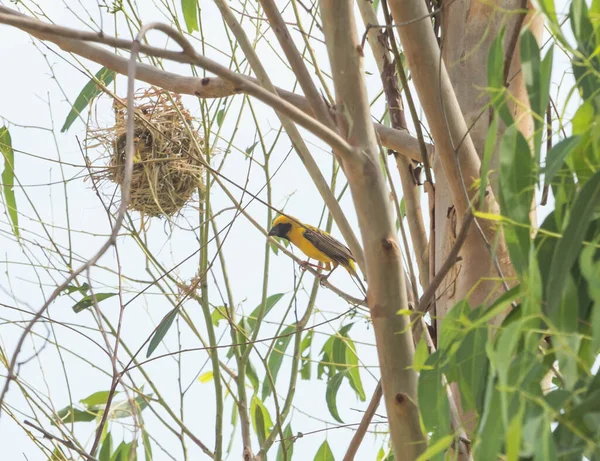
{"points": [[387, 289], [208, 87], [67, 443]]}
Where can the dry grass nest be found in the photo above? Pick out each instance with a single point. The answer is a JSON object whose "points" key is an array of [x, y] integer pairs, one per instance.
{"points": [[167, 168]]}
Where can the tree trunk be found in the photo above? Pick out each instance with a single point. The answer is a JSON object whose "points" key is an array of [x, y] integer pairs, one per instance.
{"points": [[469, 27]]}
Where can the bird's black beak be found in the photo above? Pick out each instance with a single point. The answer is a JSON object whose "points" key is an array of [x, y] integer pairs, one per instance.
{"points": [[274, 232]]}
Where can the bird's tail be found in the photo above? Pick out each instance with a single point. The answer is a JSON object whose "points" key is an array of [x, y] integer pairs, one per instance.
{"points": [[353, 272]]}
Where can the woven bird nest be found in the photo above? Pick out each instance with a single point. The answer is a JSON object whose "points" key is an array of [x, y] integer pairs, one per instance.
{"points": [[167, 170]]}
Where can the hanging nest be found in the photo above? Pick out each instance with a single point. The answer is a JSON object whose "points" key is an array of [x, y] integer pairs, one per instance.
{"points": [[167, 170]]}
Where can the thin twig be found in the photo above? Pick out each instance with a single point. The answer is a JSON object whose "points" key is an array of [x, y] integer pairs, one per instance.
{"points": [[67, 443], [359, 435], [125, 194], [451, 259], [207, 87]]}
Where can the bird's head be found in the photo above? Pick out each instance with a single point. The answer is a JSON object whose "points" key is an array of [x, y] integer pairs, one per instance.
{"points": [[282, 227]]}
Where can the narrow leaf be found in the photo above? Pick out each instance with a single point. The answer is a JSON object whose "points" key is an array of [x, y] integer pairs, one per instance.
{"points": [[8, 180], [488, 151], [517, 185], [440, 446], [421, 355], [276, 358], [269, 304], [190, 15], [97, 398], [557, 155], [354, 370], [88, 301], [161, 331], [261, 420], [288, 442], [333, 385], [106, 449], [305, 350], [220, 117], [69, 414], [568, 247], [89, 92]]}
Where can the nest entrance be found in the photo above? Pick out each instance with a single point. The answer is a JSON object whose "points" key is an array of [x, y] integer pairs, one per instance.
{"points": [[167, 167]]}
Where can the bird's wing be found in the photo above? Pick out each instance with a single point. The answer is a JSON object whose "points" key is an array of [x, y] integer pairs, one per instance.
{"points": [[324, 242]]}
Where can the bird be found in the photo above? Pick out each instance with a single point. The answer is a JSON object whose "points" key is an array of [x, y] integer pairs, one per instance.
{"points": [[316, 244]]}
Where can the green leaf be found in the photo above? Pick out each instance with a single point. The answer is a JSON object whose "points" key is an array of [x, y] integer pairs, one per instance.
{"points": [[491, 428], [324, 453], [590, 268], [495, 78], [566, 335], [557, 155], [145, 440], [305, 350], [161, 331], [452, 326], [537, 75], [88, 301], [8, 180], [568, 247], [97, 398], [288, 442], [261, 420], [517, 185], [83, 289], [252, 375], [106, 449], [433, 399], [190, 15], [89, 92], [69, 414], [488, 152], [421, 355], [439, 446], [354, 370], [141, 401], [269, 304], [276, 358], [220, 117], [402, 208], [547, 7], [472, 367], [583, 118], [218, 314], [333, 385], [123, 452], [513, 437]]}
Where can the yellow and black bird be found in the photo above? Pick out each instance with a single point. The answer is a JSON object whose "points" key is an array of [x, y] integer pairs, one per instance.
{"points": [[315, 244]]}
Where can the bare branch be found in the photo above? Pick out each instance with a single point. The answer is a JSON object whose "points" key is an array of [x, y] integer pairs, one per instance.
{"points": [[364, 424], [208, 87], [67, 443]]}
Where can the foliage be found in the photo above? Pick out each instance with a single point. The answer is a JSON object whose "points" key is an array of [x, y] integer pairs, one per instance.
{"points": [[554, 322]]}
